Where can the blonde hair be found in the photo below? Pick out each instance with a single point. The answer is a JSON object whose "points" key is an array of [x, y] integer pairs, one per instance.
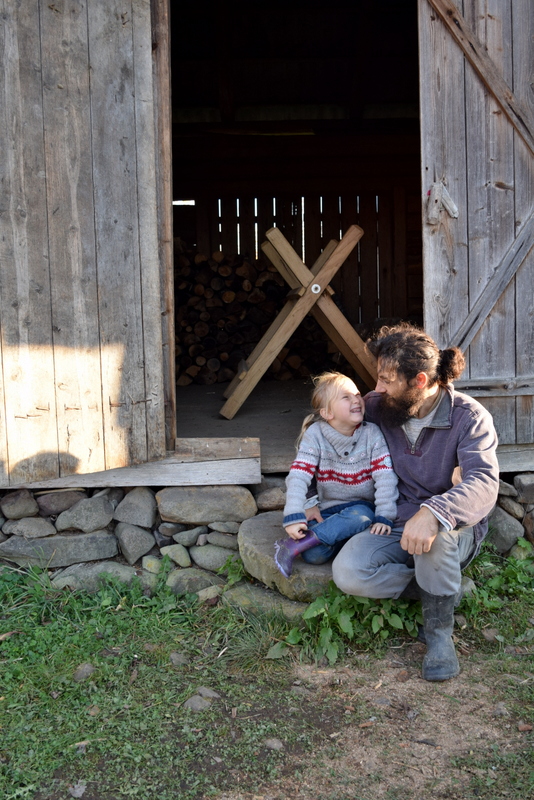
{"points": [[326, 388]]}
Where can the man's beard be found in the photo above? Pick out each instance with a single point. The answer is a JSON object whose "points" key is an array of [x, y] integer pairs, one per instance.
{"points": [[395, 411]]}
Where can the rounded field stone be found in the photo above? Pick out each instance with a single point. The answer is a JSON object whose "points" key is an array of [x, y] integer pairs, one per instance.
{"points": [[202, 504], [29, 527], [19, 504]]}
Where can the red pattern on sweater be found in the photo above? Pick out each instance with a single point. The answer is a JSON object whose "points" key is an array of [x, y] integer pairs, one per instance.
{"points": [[344, 478]]}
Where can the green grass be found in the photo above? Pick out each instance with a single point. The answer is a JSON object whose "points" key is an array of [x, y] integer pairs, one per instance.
{"points": [[124, 730]]}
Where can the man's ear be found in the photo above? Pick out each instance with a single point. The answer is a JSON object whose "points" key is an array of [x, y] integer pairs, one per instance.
{"points": [[421, 380], [326, 414]]}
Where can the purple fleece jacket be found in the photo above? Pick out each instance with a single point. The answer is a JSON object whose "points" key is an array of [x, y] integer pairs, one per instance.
{"points": [[461, 434]]}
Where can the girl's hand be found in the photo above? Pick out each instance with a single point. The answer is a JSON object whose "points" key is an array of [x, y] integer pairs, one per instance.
{"points": [[313, 513], [380, 529], [297, 530]]}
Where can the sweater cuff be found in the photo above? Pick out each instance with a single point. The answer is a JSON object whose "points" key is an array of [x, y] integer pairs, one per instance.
{"points": [[290, 519], [438, 516], [384, 521]]}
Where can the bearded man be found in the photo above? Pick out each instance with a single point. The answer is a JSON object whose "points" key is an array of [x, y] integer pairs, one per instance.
{"points": [[443, 447]]}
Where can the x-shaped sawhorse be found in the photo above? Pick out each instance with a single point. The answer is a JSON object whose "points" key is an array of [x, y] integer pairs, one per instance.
{"points": [[310, 293]]}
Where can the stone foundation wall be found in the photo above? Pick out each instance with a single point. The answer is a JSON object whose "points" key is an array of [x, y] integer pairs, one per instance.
{"points": [[78, 535]]}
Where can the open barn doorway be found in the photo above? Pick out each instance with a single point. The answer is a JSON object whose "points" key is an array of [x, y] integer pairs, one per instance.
{"points": [[302, 116]]}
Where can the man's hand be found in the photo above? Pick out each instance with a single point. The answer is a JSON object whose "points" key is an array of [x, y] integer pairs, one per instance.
{"points": [[420, 532], [313, 513], [297, 530]]}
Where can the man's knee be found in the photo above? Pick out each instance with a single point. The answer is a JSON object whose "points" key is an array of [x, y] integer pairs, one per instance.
{"points": [[347, 578]]}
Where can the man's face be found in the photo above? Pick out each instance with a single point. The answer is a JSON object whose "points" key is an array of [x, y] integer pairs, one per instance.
{"points": [[399, 400]]}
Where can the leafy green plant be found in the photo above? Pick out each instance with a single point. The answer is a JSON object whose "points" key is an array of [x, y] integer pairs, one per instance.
{"points": [[335, 618], [234, 570]]}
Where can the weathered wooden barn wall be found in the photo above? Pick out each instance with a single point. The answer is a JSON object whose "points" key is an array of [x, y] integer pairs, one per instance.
{"points": [[81, 342], [477, 112]]}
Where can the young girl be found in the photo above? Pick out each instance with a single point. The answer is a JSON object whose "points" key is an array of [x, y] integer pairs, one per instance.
{"points": [[349, 458]]}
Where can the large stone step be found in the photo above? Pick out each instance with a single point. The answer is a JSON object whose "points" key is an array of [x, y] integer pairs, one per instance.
{"points": [[256, 539]]}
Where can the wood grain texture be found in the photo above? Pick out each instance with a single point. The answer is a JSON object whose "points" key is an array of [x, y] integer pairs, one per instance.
{"points": [[161, 54], [443, 144], [147, 204], [213, 449], [166, 472], [31, 441], [73, 281], [482, 63]]}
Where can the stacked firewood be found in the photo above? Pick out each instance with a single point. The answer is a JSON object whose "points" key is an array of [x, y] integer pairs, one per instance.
{"points": [[224, 305]]}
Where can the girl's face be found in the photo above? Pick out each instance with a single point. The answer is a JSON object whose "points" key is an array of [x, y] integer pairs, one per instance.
{"points": [[346, 410]]}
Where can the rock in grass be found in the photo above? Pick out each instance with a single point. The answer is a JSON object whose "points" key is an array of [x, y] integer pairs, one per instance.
{"points": [[274, 744], [89, 577], [60, 551], [138, 508], [190, 581], [29, 527], [205, 691], [504, 530], [19, 504], [89, 514], [209, 593], [134, 541], [210, 556], [202, 504], [83, 672], [179, 659], [177, 553], [151, 564], [255, 598], [197, 703]]}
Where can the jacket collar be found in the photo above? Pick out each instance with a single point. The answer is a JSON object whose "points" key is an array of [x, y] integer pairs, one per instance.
{"points": [[443, 415]]}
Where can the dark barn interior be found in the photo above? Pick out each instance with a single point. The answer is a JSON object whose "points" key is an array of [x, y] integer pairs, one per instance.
{"points": [[303, 116]]}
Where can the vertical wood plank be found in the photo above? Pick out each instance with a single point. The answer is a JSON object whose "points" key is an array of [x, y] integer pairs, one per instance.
{"points": [[246, 226], [368, 257], [312, 228], [442, 111], [147, 203], [500, 408], [400, 287], [490, 167], [331, 225], [385, 254], [27, 358], [229, 225], [73, 282], [523, 37], [350, 269], [117, 231], [161, 53]]}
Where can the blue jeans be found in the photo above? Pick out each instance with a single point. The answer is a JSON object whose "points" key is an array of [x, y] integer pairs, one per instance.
{"points": [[339, 524]]}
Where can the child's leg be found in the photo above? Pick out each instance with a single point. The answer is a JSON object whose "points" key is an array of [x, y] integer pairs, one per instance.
{"points": [[341, 525]]}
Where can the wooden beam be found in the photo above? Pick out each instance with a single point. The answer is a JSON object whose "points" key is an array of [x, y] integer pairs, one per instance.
{"points": [[483, 65], [497, 387], [496, 285], [213, 449], [162, 101], [172, 471], [515, 457]]}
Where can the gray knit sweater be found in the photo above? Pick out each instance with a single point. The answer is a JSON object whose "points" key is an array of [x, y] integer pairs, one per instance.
{"points": [[346, 468]]}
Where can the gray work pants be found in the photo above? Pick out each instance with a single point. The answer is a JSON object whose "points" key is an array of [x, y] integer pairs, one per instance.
{"points": [[376, 566]]}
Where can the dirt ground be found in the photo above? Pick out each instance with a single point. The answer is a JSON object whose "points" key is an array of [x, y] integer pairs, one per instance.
{"points": [[412, 733]]}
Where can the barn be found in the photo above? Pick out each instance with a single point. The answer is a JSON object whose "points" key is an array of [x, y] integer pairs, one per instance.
{"points": [[175, 178]]}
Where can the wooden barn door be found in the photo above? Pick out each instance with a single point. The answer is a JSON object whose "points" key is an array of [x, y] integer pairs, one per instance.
{"points": [[477, 112], [81, 341]]}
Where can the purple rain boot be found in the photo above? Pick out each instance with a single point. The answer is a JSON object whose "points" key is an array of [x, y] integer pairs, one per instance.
{"points": [[285, 551]]}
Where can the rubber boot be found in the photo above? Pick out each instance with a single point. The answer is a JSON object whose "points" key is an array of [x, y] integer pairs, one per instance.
{"points": [[457, 600], [440, 662], [285, 551]]}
